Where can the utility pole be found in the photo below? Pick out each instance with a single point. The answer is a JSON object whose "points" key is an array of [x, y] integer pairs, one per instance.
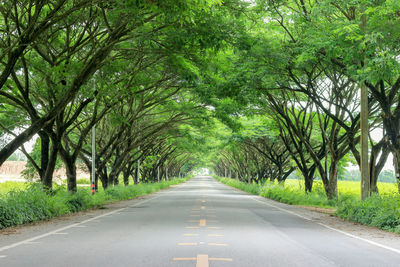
{"points": [[365, 175], [138, 168], [93, 157], [94, 147]]}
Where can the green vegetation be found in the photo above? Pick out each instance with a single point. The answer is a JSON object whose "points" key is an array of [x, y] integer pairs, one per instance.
{"points": [[379, 210], [12, 186], [255, 90], [29, 203], [289, 194], [130, 69]]}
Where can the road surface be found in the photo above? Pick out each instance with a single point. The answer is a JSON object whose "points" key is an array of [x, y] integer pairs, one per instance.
{"points": [[199, 223]]}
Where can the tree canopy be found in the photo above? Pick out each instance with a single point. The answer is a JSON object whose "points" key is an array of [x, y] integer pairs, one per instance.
{"points": [[255, 90]]}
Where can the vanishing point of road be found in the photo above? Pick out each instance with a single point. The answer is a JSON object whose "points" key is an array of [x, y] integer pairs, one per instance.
{"points": [[199, 223]]}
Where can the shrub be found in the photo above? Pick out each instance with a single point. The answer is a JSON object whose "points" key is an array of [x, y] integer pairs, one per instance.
{"points": [[379, 211]]}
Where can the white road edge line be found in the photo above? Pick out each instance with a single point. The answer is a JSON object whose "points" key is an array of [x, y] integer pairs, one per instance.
{"points": [[285, 210], [361, 238], [27, 241], [333, 229]]}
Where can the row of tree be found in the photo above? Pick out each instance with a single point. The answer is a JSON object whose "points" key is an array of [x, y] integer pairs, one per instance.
{"points": [[301, 68], [127, 68]]}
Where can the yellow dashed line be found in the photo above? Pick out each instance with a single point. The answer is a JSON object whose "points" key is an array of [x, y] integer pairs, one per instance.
{"points": [[183, 259], [202, 222], [203, 207], [220, 259], [202, 260], [187, 244], [218, 244]]}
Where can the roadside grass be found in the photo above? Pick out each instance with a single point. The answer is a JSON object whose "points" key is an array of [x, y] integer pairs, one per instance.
{"points": [[8, 186], [382, 211], [29, 203], [84, 181]]}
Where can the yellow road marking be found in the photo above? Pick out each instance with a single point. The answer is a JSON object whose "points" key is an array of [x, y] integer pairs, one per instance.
{"points": [[192, 227], [183, 259], [203, 201], [218, 244], [219, 259], [190, 234], [217, 235], [203, 207], [193, 221], [187, 244], [202, 260], [202, 222]]}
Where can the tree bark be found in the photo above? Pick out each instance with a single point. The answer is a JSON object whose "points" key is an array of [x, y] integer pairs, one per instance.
{"points": [[47, 180]]}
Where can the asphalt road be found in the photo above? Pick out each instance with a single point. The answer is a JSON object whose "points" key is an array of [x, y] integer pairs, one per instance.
{"points": [[200, 223]]}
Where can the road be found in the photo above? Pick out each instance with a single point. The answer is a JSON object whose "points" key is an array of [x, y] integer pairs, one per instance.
{"points": [[199, 223]]}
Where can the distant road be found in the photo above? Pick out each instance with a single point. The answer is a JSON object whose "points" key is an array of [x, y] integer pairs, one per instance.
{"points": [[200, 223]]}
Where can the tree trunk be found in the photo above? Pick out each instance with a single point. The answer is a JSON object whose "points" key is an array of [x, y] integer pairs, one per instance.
{"points": [[47, 180], [44, 152], [135, 177], [308, 183], [308, 174], [126, 176], [396, 164], [70, 167], [103, 177], [116, 178], [331, 188]]}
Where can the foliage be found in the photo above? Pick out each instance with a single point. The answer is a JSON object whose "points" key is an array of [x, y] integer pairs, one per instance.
{"points": [[379, 211]]}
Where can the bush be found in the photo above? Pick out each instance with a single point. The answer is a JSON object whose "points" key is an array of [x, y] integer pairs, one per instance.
{"points": [[379, 211], [20, 206]]}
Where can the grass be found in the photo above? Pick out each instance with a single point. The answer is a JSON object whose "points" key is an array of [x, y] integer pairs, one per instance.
{"points": [[8, 186], [382, 210], [24, 203]]}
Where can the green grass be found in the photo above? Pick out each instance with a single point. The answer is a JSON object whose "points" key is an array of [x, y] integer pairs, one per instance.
{"points": [[83, 181], [12, 186], [25, 203], [382, 210]]}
